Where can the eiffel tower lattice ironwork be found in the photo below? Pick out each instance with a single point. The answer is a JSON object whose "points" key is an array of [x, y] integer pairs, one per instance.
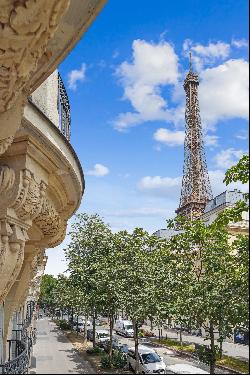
{"points": [[196, 189]]}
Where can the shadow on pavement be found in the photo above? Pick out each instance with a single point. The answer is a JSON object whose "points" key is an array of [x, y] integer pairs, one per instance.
{"points": [[81, 365]]}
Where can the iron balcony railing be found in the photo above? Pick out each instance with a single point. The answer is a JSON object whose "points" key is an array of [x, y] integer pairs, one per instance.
{"points": [[63, 107], [20, 346]]}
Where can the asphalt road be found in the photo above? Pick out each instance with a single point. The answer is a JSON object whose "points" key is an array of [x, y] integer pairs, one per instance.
{"points": [[169, 357], [54, 353]]}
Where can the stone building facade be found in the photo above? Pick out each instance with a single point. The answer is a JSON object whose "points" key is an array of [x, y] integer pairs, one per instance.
{"points": [[41, 179]]}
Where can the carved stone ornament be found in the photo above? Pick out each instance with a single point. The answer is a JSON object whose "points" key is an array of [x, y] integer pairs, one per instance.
{"points": [[5, 143], [30, 196], [7, 178], [12, 242], [26, 27]]}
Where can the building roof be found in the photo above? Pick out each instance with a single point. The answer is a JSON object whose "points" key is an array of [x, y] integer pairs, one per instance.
{"points": [[227, 198]]}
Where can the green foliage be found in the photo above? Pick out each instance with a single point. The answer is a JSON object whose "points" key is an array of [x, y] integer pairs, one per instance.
{"points": [[47, 291], [234, 364], [106, 361], [239, 172], [205, 354], [177, 346], [64, 325], [95, 351], [118, 360]]}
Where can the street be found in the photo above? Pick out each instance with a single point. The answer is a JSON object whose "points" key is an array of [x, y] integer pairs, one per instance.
{"points": [[54, 353], [234, 350], [169, 357]]}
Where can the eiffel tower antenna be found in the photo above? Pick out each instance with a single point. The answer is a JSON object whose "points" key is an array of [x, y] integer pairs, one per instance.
{"points": [[196, 189], [190, 62]]}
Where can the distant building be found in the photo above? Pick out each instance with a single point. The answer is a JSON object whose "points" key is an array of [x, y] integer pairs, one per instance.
{"points": [[165, 233], [225, 200]]}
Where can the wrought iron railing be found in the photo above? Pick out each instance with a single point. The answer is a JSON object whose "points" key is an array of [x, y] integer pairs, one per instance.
{"points": [[19, 353], [63, 109], [29, 311]]}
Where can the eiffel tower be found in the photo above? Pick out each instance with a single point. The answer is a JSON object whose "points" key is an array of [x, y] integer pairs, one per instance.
{"points": [[196, 189]]}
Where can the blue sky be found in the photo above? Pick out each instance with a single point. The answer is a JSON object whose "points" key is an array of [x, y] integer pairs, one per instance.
{"points": [[124, 81]]}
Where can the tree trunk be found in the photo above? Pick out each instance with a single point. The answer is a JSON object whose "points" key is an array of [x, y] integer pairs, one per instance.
{"points": [[181, 341], [151, 324], [85, 328], [221, 349], [72, 317], [135, 324], [111, 326], [77, 325], [212, 348], [220, 339], [94, 328]]}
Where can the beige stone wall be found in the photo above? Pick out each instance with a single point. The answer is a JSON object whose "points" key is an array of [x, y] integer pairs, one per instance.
{"points": [[46, 97]]}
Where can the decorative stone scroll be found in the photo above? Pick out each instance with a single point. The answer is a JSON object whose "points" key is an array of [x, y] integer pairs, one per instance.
{"points": [[26, 27]]}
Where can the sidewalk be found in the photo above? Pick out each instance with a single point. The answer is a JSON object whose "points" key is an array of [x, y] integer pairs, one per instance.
{"points": [[230, 349], [54, 353]]}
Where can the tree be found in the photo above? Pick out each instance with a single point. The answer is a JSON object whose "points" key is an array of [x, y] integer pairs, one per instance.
{"points": [[213, 271], [47, 292], [209, 284], [136, 277], [90, 238]]}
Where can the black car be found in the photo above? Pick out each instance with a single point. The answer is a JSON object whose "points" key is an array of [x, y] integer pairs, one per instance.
{"points": [[123, 348], [90, 334]]}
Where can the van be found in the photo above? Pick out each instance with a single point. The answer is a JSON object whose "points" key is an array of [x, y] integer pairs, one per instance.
{"points": [[124, 327], [149, 361]]}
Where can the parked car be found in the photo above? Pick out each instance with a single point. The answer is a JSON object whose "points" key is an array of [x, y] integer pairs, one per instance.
{"points": [[90, 334], [149, 360], [181, 368], [124, 327], [101, 336], [78, 327], [116, 345]]}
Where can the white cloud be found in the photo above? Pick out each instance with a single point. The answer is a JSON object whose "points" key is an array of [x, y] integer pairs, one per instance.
{"points": [[226, 158], [224, 92], [168, 137], [218, 186], [99, 170], [153, 66], [163, 186], [76, 76], [211, 140], [240, 43], [202, 55], [243, 135], [170, 187]]}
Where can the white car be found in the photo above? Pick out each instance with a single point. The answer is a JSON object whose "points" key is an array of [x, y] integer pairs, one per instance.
{"points": [[102, 335], [182, 368], [149, 361]]}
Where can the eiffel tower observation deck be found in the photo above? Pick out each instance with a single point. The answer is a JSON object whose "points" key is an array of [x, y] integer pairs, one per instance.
{"points": [[196, 189]]}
